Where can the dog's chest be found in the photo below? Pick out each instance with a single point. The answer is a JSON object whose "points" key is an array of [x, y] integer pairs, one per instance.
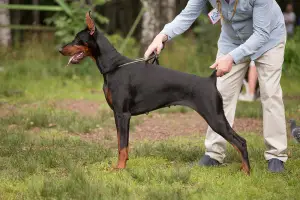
{"points": [[108, 96]]}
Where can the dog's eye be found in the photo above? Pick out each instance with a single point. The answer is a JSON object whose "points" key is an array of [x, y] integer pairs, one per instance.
{"points": [[80, 42], [77, 41]]}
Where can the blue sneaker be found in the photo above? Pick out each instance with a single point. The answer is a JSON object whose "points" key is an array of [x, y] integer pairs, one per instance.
{"points": [[275, 165], [208, 161]]}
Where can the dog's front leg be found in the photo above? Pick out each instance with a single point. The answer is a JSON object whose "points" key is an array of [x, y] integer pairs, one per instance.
{"points": [[122, 123]]}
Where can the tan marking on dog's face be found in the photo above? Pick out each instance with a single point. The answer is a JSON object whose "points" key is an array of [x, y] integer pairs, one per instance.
{"points": [[76, 52]]}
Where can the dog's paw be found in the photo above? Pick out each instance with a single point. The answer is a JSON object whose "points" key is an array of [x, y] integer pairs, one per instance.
{"points": [[245, 168], [118, 167]]}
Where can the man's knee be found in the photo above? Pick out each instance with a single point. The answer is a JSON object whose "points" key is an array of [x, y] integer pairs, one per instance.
{"points": [[271, 92]]}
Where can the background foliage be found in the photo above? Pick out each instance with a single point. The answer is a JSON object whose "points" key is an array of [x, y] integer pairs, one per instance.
{"points": [[67, 26]]}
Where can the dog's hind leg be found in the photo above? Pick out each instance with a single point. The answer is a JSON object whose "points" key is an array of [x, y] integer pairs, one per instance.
{"points": [[122, 123], [211, 109], [221, 126]]}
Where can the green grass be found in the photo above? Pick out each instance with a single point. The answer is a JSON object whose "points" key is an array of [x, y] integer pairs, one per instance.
{"points": [[254, 109], [48, 118], [52, 165]]}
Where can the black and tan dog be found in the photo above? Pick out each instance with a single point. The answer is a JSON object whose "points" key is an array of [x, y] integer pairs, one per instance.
{"points": [[139, 88]]}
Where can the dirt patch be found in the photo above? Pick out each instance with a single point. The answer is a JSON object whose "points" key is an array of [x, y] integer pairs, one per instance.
{"points": [[84, 107], [164, 126], [6, 110], [155, 126], [291, 97], [248, 125], [35, 129]]}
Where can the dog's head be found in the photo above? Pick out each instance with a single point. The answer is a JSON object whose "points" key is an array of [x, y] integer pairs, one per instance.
{"points": [[84, 44]]}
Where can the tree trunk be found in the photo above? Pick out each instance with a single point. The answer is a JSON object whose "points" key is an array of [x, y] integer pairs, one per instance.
{"points": [[5, 34], [151, 22], [89, 2], [16, 35], [157, 14], [168, 9], [36, 13]]}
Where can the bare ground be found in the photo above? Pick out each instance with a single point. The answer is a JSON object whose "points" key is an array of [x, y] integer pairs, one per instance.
{"points": [[5, 110], [155, 126], [83, 107]]}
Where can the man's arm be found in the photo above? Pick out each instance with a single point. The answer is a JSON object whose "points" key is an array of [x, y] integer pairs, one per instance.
{"points": [[262, 16], [185, 19]]}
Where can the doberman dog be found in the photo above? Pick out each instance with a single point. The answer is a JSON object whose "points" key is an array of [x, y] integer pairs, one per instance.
{"points": [[139, 88]]}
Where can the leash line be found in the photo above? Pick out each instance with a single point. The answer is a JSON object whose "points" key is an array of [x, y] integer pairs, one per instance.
{"points": [[155, 57]]}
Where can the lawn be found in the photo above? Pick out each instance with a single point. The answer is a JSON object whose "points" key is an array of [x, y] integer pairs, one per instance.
{"points": [[54, 164], [58, 141]]}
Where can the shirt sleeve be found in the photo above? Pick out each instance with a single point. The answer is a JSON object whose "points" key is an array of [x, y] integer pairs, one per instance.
{"points": [[262, 16], [185, 19]]}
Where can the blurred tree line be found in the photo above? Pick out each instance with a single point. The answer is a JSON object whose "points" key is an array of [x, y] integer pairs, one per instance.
{"points": [[120, 13]]}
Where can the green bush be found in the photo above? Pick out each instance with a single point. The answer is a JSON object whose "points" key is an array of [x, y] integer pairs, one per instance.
{"points": [[207, 36], [292, 56], [68, 26]]}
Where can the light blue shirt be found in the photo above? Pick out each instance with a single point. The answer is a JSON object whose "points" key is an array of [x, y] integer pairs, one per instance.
{"points": [[257, 26]]}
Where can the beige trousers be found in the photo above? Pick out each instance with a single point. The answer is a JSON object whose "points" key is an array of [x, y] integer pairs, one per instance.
{"points": [[269, 68]]}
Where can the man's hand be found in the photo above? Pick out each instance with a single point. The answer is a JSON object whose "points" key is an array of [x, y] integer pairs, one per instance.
{"points": [[157, 45], [223, 65]]}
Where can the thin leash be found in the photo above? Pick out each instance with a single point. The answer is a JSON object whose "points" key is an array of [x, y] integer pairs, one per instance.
{"points": [[155, 57]]}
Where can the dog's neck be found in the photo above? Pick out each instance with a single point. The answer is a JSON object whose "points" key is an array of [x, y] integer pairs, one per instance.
{"points": [[107, 57]]}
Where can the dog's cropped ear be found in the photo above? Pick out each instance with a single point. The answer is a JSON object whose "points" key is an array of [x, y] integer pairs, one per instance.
{"points": [[90, 23]]}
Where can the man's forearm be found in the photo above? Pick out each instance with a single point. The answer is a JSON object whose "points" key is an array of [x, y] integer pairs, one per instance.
{"points": [[185, 19]]}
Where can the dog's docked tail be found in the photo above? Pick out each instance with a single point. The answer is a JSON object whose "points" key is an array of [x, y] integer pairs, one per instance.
{"points": [[214, 77]]}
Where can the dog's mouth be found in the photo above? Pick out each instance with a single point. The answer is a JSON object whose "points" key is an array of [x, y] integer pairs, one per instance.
{"points": [[76, 58], [76, 53]]}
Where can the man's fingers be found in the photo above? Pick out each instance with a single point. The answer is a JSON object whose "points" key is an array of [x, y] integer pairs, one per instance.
{"points": [[149, 51], [159, 48], [220, 73], [214, 66]]}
